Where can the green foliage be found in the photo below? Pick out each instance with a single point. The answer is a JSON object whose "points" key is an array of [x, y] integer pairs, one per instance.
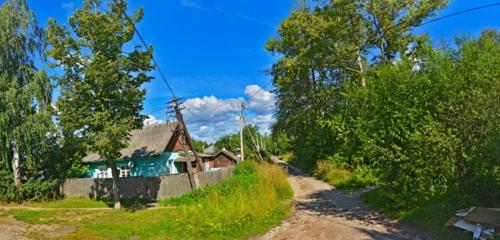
{"points": [[199, 145], [7, 189], [40, 189], [101, 96], [26, 126], [246, 178], [100, 89], [231, 142], [355, 86], [343, 178]]}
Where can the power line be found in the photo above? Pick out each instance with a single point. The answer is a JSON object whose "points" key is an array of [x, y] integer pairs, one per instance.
{"points": [[448, 15], [461, 12], [146, 46], [260, 90]]}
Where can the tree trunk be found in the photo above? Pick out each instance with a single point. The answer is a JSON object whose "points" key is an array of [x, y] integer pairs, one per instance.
{"points": [[16, 165], [116, 189], [361, 70]]}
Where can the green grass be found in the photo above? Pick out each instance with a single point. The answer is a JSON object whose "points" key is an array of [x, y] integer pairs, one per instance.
{"points": [[69, 203], [248, 204], [34, 217], [429, 218]]}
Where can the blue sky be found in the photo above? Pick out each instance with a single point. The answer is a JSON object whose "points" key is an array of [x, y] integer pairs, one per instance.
{"points": [[212, 52]]}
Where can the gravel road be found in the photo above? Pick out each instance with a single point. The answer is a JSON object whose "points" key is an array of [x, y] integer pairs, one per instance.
{"points": [[323, 212]]}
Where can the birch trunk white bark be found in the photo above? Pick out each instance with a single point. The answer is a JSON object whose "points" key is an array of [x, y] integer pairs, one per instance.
{"points": [[360, 65], [16, 164]]}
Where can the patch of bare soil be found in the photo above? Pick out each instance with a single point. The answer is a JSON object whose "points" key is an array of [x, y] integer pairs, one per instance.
{"points": [[12, 229], [323, 212]]}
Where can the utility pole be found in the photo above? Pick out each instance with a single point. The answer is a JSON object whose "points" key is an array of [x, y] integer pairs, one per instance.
{"points": [[186, 142], [255, 145], [242, 151]]}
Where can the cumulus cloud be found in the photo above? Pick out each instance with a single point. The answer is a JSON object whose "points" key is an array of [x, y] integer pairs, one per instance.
{"points": [[260, 101], [151, 120], [209, 118]]}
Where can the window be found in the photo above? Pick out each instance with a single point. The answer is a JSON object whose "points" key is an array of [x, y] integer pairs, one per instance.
{"points": [[124, 171], [102, 172]]}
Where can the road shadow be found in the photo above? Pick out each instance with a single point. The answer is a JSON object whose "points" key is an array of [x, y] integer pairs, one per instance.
{"points": [[348, 205]]}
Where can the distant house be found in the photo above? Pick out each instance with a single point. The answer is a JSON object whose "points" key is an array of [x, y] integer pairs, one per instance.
{"points": [[211, 162], [205, 158], [224, 158], [152, 151]]}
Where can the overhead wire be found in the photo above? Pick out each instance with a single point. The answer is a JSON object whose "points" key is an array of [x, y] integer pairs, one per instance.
{"points": [[157, 66], [460, 12]]}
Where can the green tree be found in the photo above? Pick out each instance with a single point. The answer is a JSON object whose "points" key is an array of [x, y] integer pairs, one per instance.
{"points": [[231, 142], [101, 96], [26, 129], [323, 46], [199, 145]]}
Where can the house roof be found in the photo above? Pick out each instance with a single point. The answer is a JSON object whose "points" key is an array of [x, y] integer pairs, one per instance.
{"points": [[147, 142], [228, 154], [191, 157]]}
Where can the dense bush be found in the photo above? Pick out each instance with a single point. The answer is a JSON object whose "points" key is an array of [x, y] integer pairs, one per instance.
{"points": [[425, 127], [422, 120]]}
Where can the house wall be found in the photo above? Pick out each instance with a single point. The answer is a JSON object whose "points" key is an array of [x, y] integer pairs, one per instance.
{"points": [[145, 167], [153, 188], [222, 161]]}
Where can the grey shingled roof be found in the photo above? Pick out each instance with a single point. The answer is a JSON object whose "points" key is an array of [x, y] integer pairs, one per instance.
{"points": [[147, 142]]}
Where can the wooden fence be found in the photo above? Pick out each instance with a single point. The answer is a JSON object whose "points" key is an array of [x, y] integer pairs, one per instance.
{"points": [[153, 188]]}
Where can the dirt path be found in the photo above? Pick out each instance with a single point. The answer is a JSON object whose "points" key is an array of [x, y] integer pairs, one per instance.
{"points": [[322, 212]]}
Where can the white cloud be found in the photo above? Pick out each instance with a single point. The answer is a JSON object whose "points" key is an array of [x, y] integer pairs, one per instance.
{"points": [[209, 118], [151, 120], [260, 100], [193, 4]]}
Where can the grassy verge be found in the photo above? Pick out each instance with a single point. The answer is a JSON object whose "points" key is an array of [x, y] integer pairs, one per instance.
{"points": [[250, 203], [343, 178], [71, 202], [429, 218]]}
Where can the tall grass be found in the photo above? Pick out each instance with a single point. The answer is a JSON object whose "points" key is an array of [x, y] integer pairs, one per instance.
{"points": [[254, 199], [248, 204], [344, 178]]}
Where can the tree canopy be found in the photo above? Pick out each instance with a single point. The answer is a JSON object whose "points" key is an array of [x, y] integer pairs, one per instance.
{"points": [[358, 89], [26, 127], [101, 96]]}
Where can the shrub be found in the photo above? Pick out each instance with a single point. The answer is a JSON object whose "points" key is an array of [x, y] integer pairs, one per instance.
{"points": [[341, 177]]}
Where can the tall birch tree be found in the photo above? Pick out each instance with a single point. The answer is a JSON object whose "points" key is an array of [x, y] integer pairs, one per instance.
{"points": [[25, 98]]}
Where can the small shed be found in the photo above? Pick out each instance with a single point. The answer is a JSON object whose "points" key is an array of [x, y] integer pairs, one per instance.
{"points": [[224, 158]]}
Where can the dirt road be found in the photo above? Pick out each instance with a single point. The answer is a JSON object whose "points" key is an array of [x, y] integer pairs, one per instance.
{"points": [[322, 212]]}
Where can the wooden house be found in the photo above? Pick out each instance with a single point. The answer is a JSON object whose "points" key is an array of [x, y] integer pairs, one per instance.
{"points": [[152, 151]]}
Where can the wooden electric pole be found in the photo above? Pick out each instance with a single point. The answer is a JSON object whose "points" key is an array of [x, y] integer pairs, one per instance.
{"points": [[186, 143], [242, 151]]}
